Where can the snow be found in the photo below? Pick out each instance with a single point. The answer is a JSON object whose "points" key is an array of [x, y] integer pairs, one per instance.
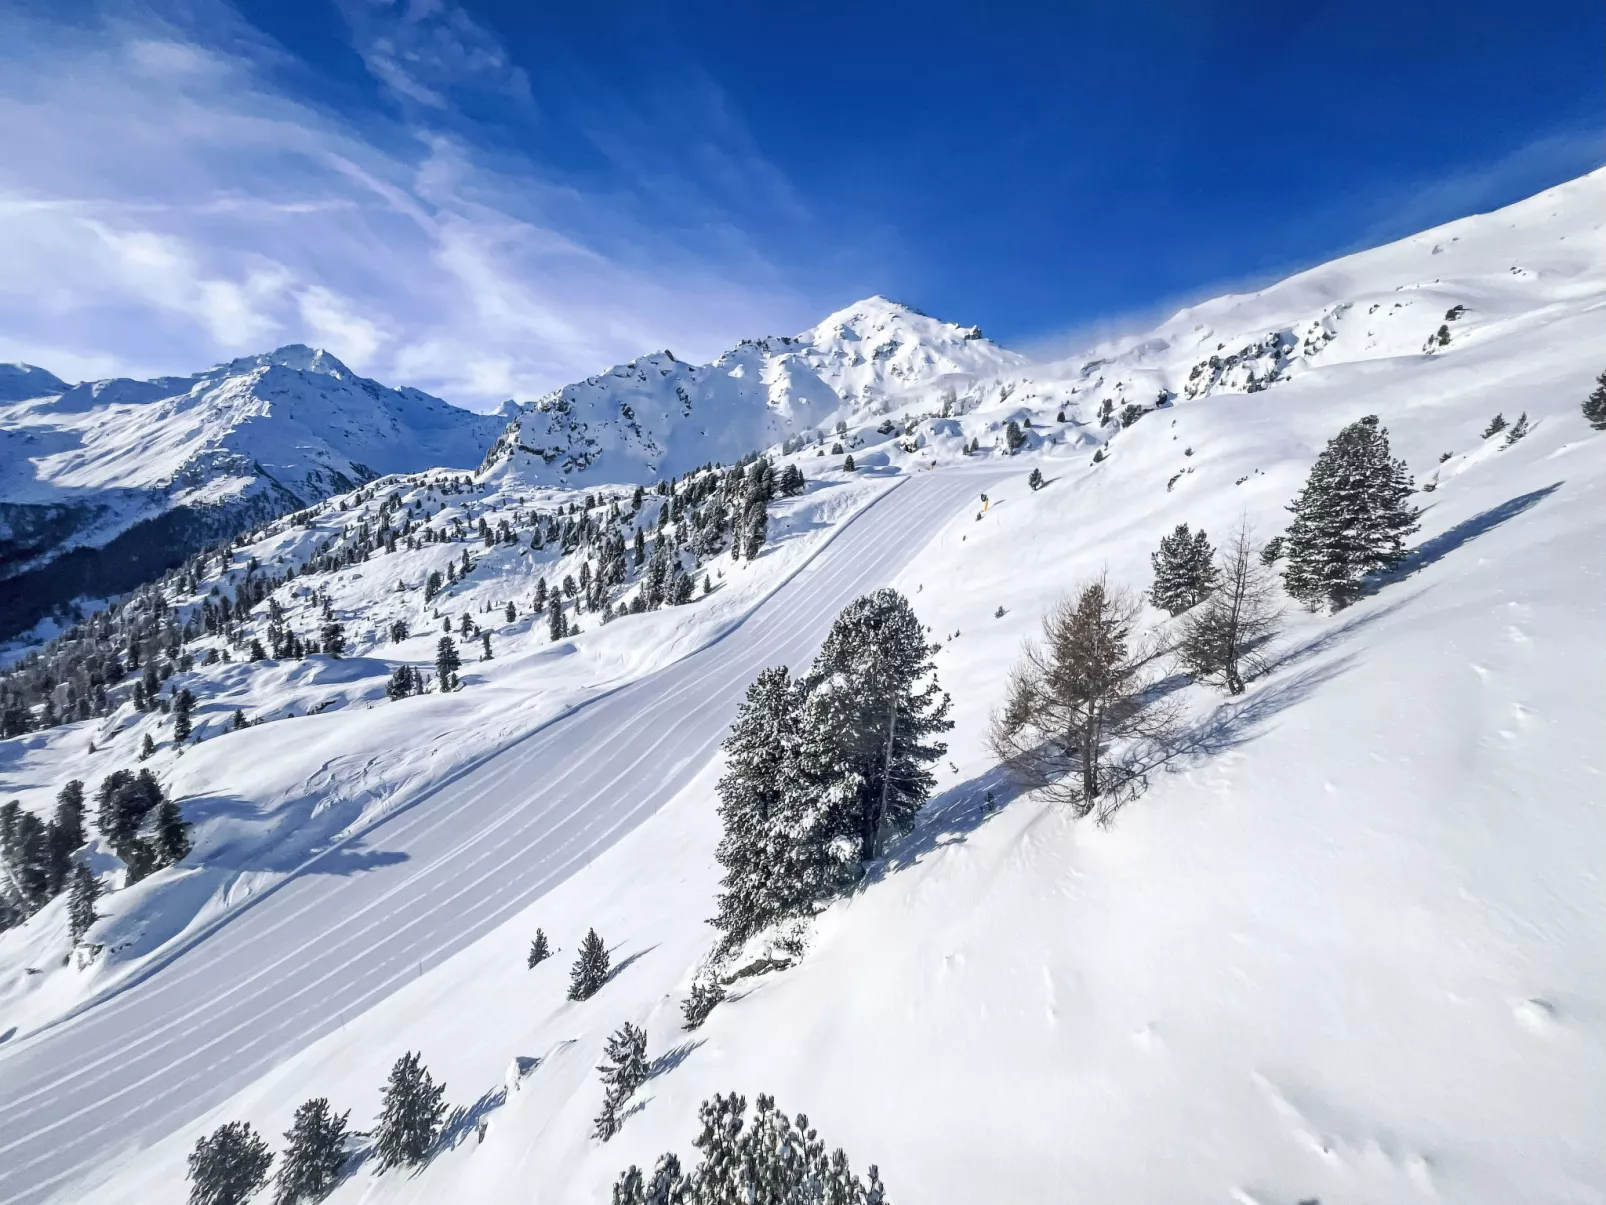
{"points": [[1346, 950]]}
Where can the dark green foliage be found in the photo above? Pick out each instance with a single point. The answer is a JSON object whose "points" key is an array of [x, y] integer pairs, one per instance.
{"points": [[65, 832], [848, 465], [83, 889], [314, 1154], [447, 662], [557, 624], [772, 1160], [706, 995], [411, 1112], [485, 646], [510, 614], [1035, 480], [183, 705], [404, 681], [623, 1070], [791, 483], [1594, 406], [332, 636], [822, 771], [171, 840], [147, 748], [1272, 552], [25, 860], [1496, 425], [1130, 413], [239, 721], [1184, 570], [590, 970], [399, 630], [539, 950], [228, 1165], [1014, 437], [1351, 519], [1518, 429]]}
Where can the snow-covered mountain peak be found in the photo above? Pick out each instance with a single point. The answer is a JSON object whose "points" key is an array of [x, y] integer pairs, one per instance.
{"points": [[21, 382], [296, 356]]}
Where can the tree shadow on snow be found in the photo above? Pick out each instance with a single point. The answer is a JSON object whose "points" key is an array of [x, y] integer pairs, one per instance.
{"points": [[672, 1058], [470, 1119], [344, 861], [1430, 552], [619, 967]]}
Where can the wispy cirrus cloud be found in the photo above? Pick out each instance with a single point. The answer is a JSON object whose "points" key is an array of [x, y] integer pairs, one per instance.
{"points": [[167, 201]]}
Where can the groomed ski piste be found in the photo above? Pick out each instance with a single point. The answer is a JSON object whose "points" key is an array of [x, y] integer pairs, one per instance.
{"points": [[1346, 950]]}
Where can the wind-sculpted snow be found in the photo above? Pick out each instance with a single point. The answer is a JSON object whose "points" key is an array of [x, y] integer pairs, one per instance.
{"points": [[380, 911]]}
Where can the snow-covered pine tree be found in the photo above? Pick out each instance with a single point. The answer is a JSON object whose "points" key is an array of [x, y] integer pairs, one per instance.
{"points": [[510, 614], [239, 721], [623, 1070], [873, 706], [410, 1116], [705, 996], [1014, 437], [147, 748], [557, 624], [83, 889], [228, 1165], [848, 466], [540, 951], [1518, 429], [314, 1154], [485, 646], [183, 704], [332, 636], [1351, 518], [65, 833], [171, 842], [1035, 480], [590, 970], [447, 662], [1223, 639], [1496, 425], [1594, 406], [1184, 570], [24, 858]]}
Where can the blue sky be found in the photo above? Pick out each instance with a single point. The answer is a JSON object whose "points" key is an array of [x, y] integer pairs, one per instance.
{"points": [[490, 198]]}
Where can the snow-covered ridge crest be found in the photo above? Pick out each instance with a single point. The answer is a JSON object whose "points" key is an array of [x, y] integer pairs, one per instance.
{"points": [[658, 414], [82, 466]]}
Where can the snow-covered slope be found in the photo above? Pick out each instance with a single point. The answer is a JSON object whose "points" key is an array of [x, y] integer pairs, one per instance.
{"points": [[1346, 951], [658, 415], [167, 463]]}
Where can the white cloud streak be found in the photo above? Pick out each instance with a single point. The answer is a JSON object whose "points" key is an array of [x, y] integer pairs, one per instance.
{"points": [[165, 204]]}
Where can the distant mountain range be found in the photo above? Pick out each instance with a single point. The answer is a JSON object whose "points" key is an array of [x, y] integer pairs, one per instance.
{"points": [[108, 483]]}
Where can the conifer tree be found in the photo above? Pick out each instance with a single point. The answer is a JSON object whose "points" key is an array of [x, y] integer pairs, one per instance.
{"points": [[1594, 406], [590, 970], [1014, 437], [557, 624], [848, 466], [65, 832], [873, 705], [172, 837], [83, 889], [239, 721], [623, 1070], [1077, 696], [1223, 639], [24, 858], [539, 950], [1496, 425], [410, 1116], [332, 636], [147, 748], [510, 613], [447, 663], [1351, 519], [228, 1165], [485, 646], [705, 996], [1518, 429], [1035, 480], [183, 703], [1184, 570], [314, 1154]]}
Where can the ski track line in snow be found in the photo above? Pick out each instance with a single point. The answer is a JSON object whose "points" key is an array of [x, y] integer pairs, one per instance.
{"points": [[363, 937], [182, 944]]}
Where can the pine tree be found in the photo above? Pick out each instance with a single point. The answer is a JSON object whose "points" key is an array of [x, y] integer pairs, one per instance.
{"points": [[410, 1115], [848, 466], [1077, 696], [705, 996], [590, 970], [447, 662], [239, 720], [228, 1165], [183, 703], [1222, 640], [1496, 425], [510, 613], [1594, 406], [25, 859], [1351, 519], [1014, 437], [1518, 429], [539, 950], [172, 838], [1184, 570], [623, 1071], [147, 748], [485, 646], [314, 1154], [65, 832], [557, 624], [1035, 480], [83, 890], [332, 636], [873, 703]]}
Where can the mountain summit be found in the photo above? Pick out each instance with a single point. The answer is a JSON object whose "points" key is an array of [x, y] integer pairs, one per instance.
{"points": [[660, 415]]}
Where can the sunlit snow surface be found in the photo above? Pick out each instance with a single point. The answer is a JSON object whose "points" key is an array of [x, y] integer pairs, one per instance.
{"points": [[1349, 952]]}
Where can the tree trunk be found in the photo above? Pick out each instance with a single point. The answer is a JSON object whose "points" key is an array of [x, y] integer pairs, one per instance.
{"points": [[872, 824]]}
